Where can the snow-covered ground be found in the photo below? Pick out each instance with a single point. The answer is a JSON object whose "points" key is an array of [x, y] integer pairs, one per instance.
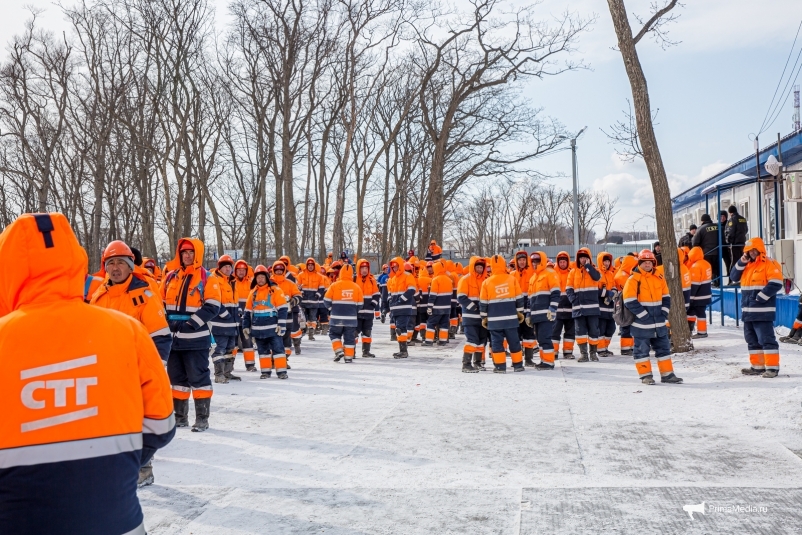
{"points": [[384, 446]]}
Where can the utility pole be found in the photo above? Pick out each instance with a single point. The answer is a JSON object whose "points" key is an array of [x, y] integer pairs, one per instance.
{"points": [[576, 196]]}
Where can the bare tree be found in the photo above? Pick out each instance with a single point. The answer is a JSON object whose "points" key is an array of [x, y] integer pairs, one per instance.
{"points": [[627, 41]]}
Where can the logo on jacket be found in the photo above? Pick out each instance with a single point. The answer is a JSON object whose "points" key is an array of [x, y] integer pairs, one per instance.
{"points": [[502, 289], [69, 393], [348, 295]]}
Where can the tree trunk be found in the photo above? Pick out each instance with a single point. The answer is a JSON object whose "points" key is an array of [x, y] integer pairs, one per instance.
{"points": [[680, 334], [435, 205]]}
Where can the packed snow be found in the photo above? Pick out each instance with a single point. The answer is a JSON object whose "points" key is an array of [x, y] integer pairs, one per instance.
{"points": [[414, 446]]}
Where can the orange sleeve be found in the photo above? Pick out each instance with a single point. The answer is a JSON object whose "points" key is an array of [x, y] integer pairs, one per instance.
{"points": [[156, 394]]}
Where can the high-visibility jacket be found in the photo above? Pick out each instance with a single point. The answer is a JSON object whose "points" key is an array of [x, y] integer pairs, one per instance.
{"points": [[582, 287], [543, 292], [501, 298], [606, 284], [83, 414], [290, 288], [701, 275], [242, 286], [524, 275], [441, 290], [760, 280], [424, 284], [434, 252], [385, 298], [646, 296], [227, 319], [344, 299], [153, 267], [402, 288], [265, 309], [134, 298], [627, 267], [564, 309], [313, 285], [685, 276], [468, 291], [370, 290], [451, 271], [192, 299]]}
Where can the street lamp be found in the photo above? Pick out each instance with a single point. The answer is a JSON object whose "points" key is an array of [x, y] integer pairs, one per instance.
{"points": [[576, 197]]}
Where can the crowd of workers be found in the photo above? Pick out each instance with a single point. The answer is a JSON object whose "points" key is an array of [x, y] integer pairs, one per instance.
{"points": [[144, 319]]}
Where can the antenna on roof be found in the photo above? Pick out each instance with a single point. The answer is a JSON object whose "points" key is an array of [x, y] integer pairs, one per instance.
{"points": [[797, 127]]}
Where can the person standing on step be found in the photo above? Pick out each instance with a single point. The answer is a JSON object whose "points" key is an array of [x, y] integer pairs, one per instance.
{"points": [[192, 299], [701, 292], [761, 278], [646, 296], [344, 300], [266, 320], [468, 292], [564, 325], [582, 290], [438, 306], [501, 305], [370, 305], [607, 292], [225, 325]]}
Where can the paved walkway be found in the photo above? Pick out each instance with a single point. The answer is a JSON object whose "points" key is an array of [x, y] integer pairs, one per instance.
{"points": [[416, 447]]}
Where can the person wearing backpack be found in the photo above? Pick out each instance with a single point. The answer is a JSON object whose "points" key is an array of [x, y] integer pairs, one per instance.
{"points": [[192, 299], [646, 296]]}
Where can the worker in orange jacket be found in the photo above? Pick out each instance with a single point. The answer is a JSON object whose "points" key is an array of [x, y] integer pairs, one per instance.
{"points": [[265, 320], [344, 300], [523, 274], [225, 326], [192, 299], [422, 299], [501, 304], [292, 335], [243, 276], [468, 292], [701, 273], [646, 296], [629, 265], [543, 298], [438, 306], [582, 289], [564, 322], [82, 417], [607, 293], [370, 305], [125, 290], [402, 288], [312, 285], [151, 265], [433, 252]]}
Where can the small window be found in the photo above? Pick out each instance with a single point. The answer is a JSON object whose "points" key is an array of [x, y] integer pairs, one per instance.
{"points": [[798, 217], [745, 210]]}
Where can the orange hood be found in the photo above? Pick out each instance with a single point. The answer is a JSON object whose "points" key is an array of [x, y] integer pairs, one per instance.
{"points": [[600, 261], [544, 259], [397, 260], [562, 254], [498, 265], [439, 268], [523, 254], [696, 254], [175, 263], [31, 271], [347, 273], [628, 264], [306, 264], [753, 243], [584, 250]]}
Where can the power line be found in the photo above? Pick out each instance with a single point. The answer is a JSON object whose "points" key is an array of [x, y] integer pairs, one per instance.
{"points": [[770, 111]]}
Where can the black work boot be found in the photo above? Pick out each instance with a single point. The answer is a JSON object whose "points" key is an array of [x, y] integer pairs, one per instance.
{"points": [[366, 351], [647, 380], [745, 371], [296, 343], [219, 371], [790, 337], [452, 333], [324, 329], [466, 363], [477, 361], [202, 408], [402, 353], [594, 356], [796, 336], [338, 355], [529, 355], [145, 475], [229, 369], [583, 350], [311, 332], [393, 335], [181, 410], [414, 340]]}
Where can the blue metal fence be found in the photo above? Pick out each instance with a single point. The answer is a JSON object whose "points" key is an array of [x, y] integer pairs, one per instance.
{"points": [[786, 306]]}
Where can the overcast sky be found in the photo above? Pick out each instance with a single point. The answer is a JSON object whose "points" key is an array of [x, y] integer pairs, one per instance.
{"points": [[712, 90]]}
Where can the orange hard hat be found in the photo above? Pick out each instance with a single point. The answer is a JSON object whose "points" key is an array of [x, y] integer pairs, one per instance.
{"points": [[225, 259], [646, 254], [186, 245], [260, 269], [117, 248], [407, 266]]}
